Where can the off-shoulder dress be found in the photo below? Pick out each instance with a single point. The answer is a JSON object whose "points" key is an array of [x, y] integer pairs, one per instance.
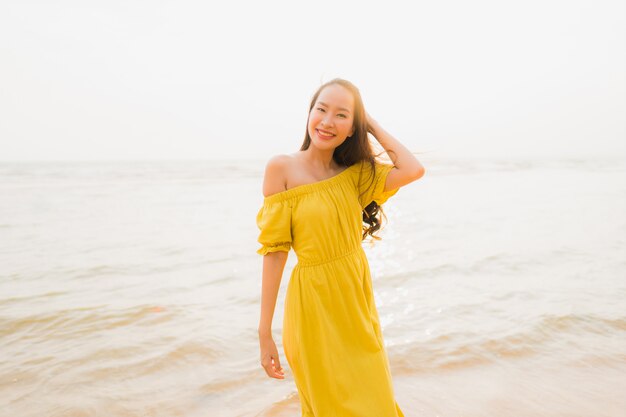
{"points": [[331, 332]]}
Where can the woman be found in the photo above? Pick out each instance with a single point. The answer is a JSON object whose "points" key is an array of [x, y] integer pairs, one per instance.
{"points": [[316, 201]]}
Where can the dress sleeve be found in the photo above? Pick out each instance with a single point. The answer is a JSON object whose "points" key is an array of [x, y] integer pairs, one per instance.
{"points": [[372, 190], [274, 222]]}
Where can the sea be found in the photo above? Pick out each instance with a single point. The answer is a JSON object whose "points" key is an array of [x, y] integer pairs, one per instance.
{"points": [[132, 288]]}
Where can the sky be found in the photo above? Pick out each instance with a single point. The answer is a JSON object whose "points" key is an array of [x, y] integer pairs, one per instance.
{"points": [[153, 80]]}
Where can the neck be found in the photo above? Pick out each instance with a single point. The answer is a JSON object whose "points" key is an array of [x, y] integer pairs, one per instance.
{"points": [[320, 157]]}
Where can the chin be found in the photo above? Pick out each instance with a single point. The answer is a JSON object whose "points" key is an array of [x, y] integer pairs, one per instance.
{"points": [[324, 145]]}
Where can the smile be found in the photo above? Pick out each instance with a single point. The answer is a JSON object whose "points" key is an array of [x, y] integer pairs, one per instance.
{"points": [[323, 134]]}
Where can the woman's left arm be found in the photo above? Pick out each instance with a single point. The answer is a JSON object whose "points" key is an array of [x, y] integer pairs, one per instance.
{"points": [[407, 167]]}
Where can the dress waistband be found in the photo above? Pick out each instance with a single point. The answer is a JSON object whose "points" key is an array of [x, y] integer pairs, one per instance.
{"points": [[323, 261]]}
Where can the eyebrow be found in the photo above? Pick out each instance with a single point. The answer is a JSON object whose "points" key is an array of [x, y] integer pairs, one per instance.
{"points": [[340, 108]]}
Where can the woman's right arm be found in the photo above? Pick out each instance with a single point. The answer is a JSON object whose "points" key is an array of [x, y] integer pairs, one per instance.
{"points": [[273, 267]]}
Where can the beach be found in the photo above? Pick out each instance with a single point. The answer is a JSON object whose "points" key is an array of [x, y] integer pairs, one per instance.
{"points": [[133, 289]]}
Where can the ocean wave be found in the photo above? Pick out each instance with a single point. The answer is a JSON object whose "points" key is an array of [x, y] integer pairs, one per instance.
{"points": [[76, 322], [467, 349]]}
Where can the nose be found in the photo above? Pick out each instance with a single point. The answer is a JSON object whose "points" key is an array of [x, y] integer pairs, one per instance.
{"points": [[326, 120]]}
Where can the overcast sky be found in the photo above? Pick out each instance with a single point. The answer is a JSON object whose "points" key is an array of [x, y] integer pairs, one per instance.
{"points": [[88, 80]]}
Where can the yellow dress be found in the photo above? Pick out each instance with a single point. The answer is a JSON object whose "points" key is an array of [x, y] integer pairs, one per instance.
{"points": [[331, 330]]}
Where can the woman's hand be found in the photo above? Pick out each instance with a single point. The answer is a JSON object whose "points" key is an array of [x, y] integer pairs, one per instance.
{"points": [[407, 167], [370, 123], [269, 357]]}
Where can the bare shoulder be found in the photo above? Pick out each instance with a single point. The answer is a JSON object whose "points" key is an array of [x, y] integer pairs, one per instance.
{"points": [[276, 174]]}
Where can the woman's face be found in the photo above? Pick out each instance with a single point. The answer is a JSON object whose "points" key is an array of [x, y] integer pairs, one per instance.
{"points": [[331, 119]]}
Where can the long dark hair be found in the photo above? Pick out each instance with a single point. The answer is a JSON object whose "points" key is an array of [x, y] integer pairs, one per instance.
{"points": [[354, 149]]}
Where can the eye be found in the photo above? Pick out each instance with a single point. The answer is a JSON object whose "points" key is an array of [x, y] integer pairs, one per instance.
{"points": [[320, 109], [342, 115]]}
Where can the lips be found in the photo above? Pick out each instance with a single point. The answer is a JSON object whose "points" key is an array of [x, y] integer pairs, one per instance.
{"points": [[324, 134]]}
